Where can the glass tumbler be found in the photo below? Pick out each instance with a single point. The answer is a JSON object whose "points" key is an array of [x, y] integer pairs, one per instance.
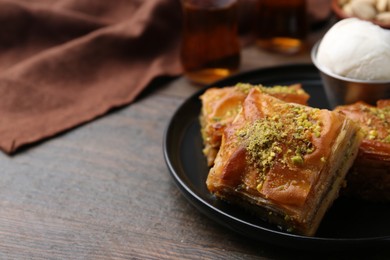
{"points": [[281, 25], [210, 47]]}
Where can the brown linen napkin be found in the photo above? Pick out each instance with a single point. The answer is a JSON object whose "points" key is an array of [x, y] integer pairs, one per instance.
{"points": [[63, 63]]}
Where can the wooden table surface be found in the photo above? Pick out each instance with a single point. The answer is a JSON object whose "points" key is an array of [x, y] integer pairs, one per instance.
{"points": [[103, 190]]}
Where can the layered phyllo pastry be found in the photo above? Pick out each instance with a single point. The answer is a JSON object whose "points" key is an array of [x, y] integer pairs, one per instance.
{"points": [[369, 178], [221, 105], [284, 161]]}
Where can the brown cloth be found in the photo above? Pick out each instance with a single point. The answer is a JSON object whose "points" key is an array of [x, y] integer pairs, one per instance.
{"points": [[66, 62]]}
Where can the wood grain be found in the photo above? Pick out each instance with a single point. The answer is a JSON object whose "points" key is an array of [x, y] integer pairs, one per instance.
{"points": [[103, 191]]}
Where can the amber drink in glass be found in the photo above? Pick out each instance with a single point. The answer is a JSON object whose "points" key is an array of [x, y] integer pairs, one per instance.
{"points": [[210, 46], [281, 25]]}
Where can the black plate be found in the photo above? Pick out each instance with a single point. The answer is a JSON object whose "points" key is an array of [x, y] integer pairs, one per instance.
{"points": [[347, 224]]}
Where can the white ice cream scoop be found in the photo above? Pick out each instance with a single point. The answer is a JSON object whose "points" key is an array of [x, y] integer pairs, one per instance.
{"points": [[356, 49]]}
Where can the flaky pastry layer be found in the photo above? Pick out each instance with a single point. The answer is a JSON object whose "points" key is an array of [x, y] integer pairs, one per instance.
{"points": [[369, 178], [284, 161], [221, 105]]}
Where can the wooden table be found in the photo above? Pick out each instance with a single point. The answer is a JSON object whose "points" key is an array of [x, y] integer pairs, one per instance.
{"points": [[103, 191]]}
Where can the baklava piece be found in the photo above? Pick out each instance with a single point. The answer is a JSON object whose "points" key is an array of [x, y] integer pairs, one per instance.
{"points": [[221, 105], [284, 161], [369, 178]]}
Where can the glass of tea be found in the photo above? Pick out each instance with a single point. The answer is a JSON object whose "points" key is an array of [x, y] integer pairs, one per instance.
{"points": [[281, 25], [210, 47]]}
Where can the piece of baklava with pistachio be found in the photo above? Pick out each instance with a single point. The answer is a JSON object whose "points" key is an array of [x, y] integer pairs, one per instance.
{"points": [[284, 161], [221, 105], [369, 177]]}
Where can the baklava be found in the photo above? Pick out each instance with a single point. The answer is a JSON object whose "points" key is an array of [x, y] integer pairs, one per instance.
{"points": [[221, 105], [369, 178], [284, 161]]}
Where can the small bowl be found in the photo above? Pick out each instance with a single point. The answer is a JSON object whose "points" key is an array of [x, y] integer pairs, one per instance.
{"points": [[340, 14], [342, 90]]}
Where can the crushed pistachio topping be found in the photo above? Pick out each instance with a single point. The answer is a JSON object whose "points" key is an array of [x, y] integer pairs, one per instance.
{"points": [[284, 138], [377, 125], [216, 118], [245, 88]]}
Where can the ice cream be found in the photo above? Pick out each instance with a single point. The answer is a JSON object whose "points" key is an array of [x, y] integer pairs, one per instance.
{"points": [[356, 49]]}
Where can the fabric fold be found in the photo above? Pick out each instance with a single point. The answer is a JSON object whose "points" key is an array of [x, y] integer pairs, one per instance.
{"points": [[66, 62], [72, 82]]}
